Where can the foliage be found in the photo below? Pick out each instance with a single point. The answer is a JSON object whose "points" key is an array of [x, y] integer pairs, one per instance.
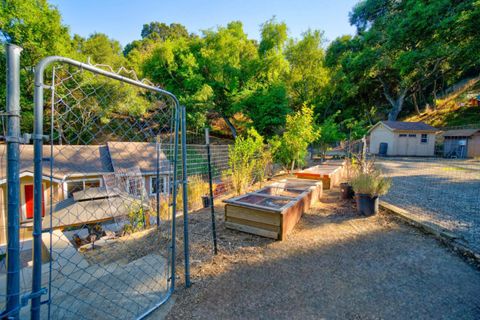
{"points": [[329, 133], [136, 218], [196, 188], [308, 73], [300, 131], [404, 54], [372, 183], [242, 160]]}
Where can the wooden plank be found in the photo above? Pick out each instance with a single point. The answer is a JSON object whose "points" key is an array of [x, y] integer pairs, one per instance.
{"points": [[253, 215], [252, 230], [250, 223], [291, 217]]}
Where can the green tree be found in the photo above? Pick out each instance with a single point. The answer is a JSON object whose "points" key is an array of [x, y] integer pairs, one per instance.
{"points": [[329, 133], [308, 74], [35, 26], [291, 148]]}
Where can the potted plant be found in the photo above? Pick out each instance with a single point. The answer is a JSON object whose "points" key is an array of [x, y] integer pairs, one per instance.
{"points": [[368, 186], [346, 188]]}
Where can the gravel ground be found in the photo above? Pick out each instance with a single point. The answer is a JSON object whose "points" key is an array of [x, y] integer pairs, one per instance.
{"points": [[335, 265], [440, 191]]}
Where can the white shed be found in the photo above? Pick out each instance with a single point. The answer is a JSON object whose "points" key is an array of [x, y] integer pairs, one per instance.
{"points": [[397, 138]]}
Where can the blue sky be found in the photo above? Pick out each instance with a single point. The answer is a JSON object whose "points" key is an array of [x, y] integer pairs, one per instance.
{"points": [[123, 19]]}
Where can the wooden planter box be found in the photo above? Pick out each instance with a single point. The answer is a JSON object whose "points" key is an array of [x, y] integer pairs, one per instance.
{"points": [[272, 211], [330, 175]]}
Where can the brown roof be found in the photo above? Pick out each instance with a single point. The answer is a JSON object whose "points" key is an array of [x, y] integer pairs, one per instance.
{"points": [[409, 126], [68, 160], [128, 155], [460, 133]]}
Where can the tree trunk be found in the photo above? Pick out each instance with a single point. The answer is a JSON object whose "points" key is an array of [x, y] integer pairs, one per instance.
{"points": [[415, 103], [231, 126], [397, 104]]}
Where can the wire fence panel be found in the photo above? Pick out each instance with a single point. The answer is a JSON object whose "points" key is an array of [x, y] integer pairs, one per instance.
{"points": [[441, 190], [438, 191], [108, 188]]}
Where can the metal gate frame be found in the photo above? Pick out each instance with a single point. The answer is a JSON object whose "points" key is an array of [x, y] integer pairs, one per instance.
{"points": [[14, 301]]}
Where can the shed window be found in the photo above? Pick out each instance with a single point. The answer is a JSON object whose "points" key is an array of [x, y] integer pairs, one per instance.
{"points": [[424, 138], [80, 185], [402, 135], [162, 185]]}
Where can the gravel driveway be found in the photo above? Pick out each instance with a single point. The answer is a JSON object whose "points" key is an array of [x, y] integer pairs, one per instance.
{"points": [[335, 265], [441, 191]]}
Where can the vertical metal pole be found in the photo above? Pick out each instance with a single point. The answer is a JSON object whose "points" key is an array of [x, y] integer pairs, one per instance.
{"points": [[175, 193], [37, 194], [157, 183], [13, 180], [210, 183], [186, 242]]}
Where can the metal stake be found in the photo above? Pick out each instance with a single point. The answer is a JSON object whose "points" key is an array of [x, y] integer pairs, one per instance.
{"points": [[185, 199], [210, 183]]}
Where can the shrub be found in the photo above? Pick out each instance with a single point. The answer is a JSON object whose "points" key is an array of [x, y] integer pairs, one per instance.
{"points": [[136, 218], [372, 183], [245, 158]]}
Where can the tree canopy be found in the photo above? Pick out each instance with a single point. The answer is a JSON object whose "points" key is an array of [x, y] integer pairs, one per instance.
{"points": [[403, 55]]}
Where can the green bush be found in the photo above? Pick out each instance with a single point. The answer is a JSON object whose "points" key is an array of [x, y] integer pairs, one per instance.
{"points": [[248, 161], [372, 183]]}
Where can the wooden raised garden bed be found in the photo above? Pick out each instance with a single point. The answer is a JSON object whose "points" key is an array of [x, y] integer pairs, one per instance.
{"points": [[330, 174], [272, 211]]}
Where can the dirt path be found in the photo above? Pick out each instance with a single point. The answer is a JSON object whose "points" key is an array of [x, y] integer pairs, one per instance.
{"points": [[334, 266]]}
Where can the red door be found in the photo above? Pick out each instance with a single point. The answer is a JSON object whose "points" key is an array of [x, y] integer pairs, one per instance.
{"points": [[29, 201]]}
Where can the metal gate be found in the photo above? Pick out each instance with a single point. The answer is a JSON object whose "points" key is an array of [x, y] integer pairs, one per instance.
{"points": [[106, 172]]}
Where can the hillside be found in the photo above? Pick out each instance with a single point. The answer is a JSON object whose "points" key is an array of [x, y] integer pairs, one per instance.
{"points": [[455, 109]]}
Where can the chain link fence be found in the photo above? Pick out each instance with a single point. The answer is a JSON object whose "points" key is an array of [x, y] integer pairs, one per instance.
{"points": [[100, 243], [441, 190]]}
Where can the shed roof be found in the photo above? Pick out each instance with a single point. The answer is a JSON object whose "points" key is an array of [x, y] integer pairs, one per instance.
{"points": [[68, 160], [127, 155], [409, 126], [460, 133], [405, 126]]}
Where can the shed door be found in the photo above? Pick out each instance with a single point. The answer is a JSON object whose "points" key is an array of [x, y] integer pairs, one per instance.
{"points": [[29, 201], [402, 144], [412, 145]]}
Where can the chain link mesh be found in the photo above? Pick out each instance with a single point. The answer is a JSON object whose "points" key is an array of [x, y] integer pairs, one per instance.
{"points": [[107, 197]]}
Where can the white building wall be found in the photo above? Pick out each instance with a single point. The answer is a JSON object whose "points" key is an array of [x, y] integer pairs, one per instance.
{"points": [[381, 134]]}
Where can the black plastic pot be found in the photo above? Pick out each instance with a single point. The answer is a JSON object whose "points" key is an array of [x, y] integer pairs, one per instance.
{"points": [[206, 201], [346, 191], [366, 204]]}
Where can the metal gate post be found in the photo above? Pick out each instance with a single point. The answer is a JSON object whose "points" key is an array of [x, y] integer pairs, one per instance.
{"points": [[210, 184], [186, 242], [37, 192], [13, 180]]}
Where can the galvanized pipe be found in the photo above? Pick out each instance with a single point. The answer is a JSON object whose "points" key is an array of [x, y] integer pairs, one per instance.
{"points": [[186, 242], [210, 184], [13, 180]]}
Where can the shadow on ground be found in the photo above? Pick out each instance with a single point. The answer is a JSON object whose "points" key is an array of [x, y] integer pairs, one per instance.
{"points": [[335, 266]]}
